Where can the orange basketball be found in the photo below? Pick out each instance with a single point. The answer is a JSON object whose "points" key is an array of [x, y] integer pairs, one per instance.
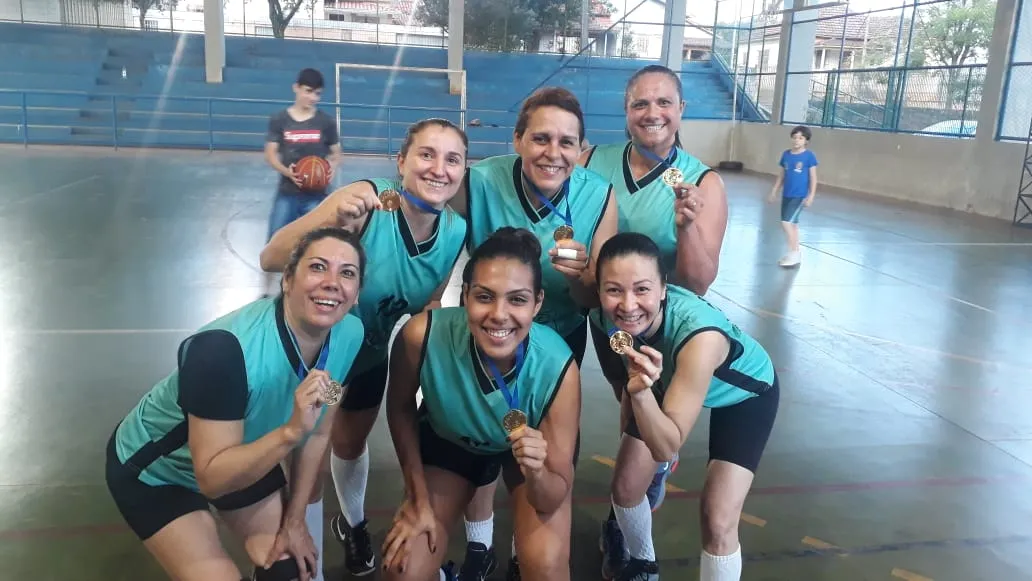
{"points": [[314, 172]]}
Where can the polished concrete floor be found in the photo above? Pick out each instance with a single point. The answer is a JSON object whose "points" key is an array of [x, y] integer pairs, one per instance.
{"points": [[903, 449]]}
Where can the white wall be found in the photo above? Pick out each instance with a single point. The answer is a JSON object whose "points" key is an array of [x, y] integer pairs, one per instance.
{"points": [[30, 10]]}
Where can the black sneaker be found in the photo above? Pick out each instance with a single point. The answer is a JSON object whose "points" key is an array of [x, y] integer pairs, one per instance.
{"points": [[359, 559], [478, 563], [614, 550], [639, 570], [513, 574]]}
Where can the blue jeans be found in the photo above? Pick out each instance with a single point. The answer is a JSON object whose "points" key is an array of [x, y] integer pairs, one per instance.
{"points": [[289, 207]]}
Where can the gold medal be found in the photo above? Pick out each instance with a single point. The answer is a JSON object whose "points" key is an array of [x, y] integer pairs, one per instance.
{"points": [[673, 176], [563, 232], [513, 420], [390, 200], [333, 393], [619, 341]]}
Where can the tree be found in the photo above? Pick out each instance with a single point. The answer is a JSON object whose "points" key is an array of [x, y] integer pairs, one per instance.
{"points": [[504, 25], [145, 6], [951, 34], [280, 14]]}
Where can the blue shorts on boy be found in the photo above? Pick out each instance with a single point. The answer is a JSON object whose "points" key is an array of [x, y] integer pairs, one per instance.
{"points": [[796, 182]]}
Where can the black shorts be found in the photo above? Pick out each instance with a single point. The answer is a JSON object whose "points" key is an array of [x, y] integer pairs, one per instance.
{"points": [[365, 390], [577, 341], [478, 469], [147, 509], [737, 434]]}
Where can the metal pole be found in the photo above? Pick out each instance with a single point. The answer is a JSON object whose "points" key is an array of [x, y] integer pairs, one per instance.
{"points": [[25, 119], [114, 120]]}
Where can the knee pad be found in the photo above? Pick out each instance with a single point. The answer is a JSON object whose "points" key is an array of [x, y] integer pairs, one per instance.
{"points": [[283, 570]]}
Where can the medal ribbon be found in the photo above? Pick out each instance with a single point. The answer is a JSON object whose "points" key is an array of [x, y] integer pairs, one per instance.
{"points": [[548, 203], [511, 397], [302, 368], [652, 156], [419, 203]]}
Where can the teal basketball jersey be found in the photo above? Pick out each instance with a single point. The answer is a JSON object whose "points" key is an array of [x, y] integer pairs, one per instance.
{"points": [[748, 370], [646, 205], [460, 399], [402, 274], [260, 329], [497, 198]]}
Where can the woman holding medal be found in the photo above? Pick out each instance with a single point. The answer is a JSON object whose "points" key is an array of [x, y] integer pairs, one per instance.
{"points": [[501, 395], [252, 401], [675, 354], [414, 241], [571, 211]]}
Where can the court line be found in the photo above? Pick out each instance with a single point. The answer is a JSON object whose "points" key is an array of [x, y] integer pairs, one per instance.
{"points": [[224, 235], [903, 280], [34, 195], [909, 576], [841, 331], [817, 543]]}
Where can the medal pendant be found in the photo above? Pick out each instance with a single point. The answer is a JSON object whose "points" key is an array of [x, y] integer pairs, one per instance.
{"points": [[333, 393], [563, 232], [513, 420], [673, 176], [390, 200], [620, 341]]}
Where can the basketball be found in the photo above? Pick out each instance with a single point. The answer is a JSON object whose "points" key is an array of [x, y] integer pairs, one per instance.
{"points": [[314, 172]]}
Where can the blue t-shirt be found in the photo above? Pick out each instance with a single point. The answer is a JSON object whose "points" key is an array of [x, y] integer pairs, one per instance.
{"points": [[797, 172]]}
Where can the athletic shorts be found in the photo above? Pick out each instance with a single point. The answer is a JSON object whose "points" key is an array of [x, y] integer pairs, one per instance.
{"points": [[147, 509], [365, 390], [737, 434], [791, 208], [577, 341], [478, 469]]}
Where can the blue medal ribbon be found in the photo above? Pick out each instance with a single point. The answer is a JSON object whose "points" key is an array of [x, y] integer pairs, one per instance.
{"points": [[302, 369], [668, 162], [567, 218], [512, 397], [422, 205]]}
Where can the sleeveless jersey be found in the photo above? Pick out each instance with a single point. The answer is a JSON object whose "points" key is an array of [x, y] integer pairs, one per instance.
{"points": [[646, 206], [402, 275], [460, 399], [748, 370], [496, 198], [271, 381]]}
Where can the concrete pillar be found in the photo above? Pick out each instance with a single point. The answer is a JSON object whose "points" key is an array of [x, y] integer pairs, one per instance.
{"points": [[214, 41], [456, 20], [1019, 109], [798, 60], [779, 75], [585, 23], [674, 16]]}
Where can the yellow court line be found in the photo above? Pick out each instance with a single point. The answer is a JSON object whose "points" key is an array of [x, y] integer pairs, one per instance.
{"points": [[817, 543], [753, 520], [908, 576]]}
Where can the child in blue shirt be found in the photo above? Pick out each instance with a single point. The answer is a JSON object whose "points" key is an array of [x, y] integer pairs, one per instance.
{"points": [[799, 176]]}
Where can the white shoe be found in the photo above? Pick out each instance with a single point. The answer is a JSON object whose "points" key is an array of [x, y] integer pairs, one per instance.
{"points": [[793, 258]]}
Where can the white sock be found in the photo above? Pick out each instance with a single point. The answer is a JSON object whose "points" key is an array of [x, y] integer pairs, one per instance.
{"points": [[636, 525], [349, 480], [480, 531], [514, 546], [721, 568], [314, 521]]}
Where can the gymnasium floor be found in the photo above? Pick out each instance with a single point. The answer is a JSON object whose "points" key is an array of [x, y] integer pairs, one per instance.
{"points": [[903, 448]]}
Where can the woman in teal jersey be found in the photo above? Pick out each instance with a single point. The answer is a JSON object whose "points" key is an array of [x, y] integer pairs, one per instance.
{"points": [[501, 395], [687, 220], [672, 353], [251, 400], [572, 211], [413, 242]]}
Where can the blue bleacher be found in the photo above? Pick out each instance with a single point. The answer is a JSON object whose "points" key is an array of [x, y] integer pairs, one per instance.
{"points": [[93, 87]]}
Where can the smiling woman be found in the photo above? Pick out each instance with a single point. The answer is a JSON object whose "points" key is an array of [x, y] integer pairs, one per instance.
{"points": [[252, 391], [501, 395]]}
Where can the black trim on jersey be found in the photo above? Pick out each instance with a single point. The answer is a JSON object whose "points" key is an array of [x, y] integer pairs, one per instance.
{"points": [[602, 214], [724, 371], [705, 172], [485, 381], [469, 209], [647, 179], [369, 215], [414, 248], [534, 215], [591, 152], [213, 376], [555, 389], [284, 335]]}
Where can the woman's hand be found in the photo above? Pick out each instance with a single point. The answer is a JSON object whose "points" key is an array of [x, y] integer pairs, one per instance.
{"points": [[410, 522], [355, 203], [687, 205], [308, 402], [573, 260], [530, 449], [643, 368], [294, 540]]}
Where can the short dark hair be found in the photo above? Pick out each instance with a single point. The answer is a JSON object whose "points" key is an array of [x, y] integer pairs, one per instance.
{"points": [[802, 130], [549, 97], [626, 243], [508, 242], [318, 234], [310, 78]]}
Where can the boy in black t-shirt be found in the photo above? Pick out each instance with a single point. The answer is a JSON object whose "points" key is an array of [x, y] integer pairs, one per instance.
{"points": [[296, 132]]}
